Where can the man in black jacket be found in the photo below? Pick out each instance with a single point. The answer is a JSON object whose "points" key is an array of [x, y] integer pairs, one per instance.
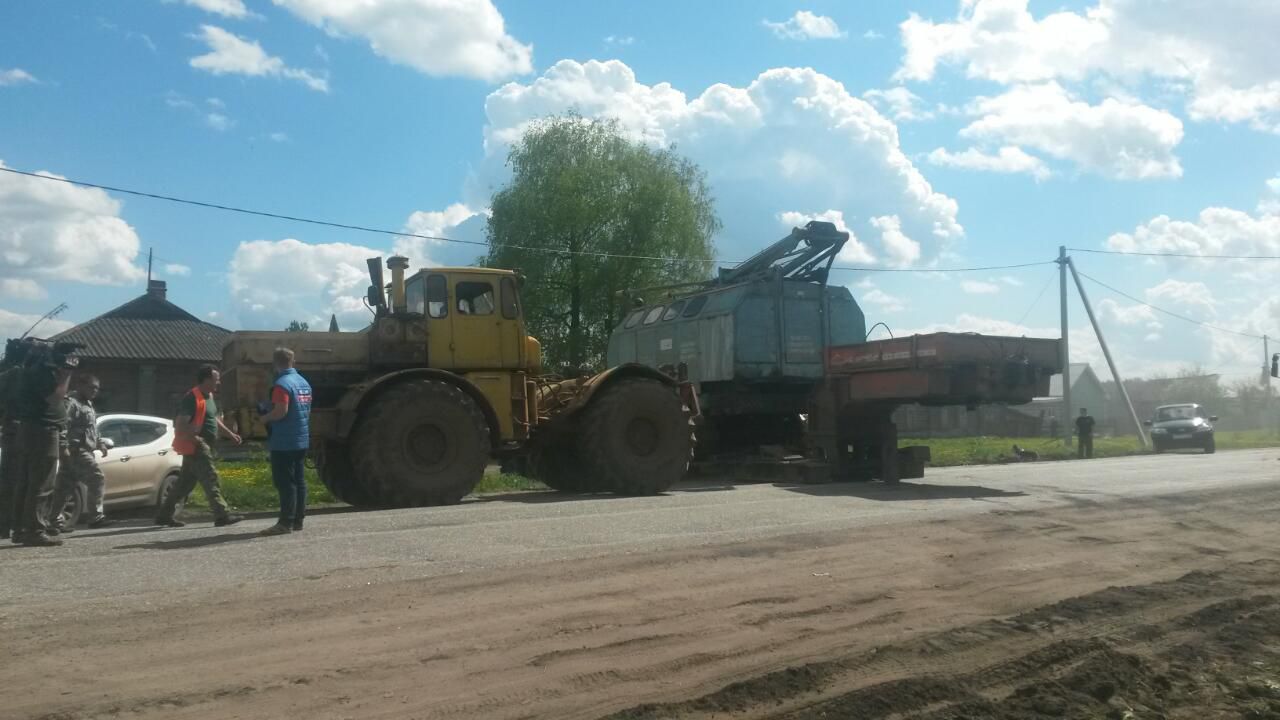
{"points": [[1084, 431]]}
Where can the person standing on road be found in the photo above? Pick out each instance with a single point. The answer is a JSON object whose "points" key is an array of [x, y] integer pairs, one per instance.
{"points": [[10, 380], [42, 415], [289, 436], [1084, 431], [194, 432], [80, 467]]}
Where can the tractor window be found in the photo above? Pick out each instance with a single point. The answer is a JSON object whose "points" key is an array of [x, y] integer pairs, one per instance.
{"points": [[475, 298], [673, 312], [437, 296], [634, 319], [653, 315], [416, 295], [510, 305], [695, 306]]}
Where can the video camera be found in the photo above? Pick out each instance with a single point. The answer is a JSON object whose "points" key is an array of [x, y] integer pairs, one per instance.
{"points": [[27, 352]]}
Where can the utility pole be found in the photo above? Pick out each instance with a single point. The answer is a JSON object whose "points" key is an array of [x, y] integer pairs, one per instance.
{"points": [[1115, 374], [150, 252], [1067, 420], [1266, 365]]}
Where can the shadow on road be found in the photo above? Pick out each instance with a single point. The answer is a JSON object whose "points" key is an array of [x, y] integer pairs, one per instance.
{"points": [[538, 497], [191, 542], [901, 491]]}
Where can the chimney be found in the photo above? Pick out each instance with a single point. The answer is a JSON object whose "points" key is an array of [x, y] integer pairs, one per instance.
{"points": [[156, 289]]}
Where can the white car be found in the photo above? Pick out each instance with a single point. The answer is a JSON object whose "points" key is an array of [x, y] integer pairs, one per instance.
{"points": [[139, 467]]}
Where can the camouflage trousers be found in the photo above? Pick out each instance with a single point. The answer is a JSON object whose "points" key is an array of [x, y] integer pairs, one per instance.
{"points": [[37, 465], [10, 466], [79, 468], [197, 468]]}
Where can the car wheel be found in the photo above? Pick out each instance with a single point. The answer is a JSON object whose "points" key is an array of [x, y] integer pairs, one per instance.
{"points": [[1210, 447], [1157, 447], [169, 482], [74, 508]]}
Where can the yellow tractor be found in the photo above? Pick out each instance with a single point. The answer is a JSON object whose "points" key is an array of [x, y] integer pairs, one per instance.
{"points": [[411, 410]]}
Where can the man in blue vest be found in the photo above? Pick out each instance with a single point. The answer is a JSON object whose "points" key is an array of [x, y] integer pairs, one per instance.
{"points": [[289, 435]]}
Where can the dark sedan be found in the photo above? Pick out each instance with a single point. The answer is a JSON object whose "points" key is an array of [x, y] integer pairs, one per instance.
{"points": [[1183, 426]]}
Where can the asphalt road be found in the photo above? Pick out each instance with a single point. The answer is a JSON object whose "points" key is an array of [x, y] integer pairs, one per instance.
{"points": [[134, 565]]}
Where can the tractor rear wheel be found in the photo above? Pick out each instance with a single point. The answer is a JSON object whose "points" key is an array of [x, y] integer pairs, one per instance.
{"points": [[637, 438], [422, 442], [339, 475]]}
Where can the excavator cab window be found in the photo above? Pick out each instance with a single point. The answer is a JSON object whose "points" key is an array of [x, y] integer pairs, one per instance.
{"points": [[437, 296], [653, 315], [673, 312], [695, 306], [415, 293], [634, 319], [510, 301], [475, 298]]}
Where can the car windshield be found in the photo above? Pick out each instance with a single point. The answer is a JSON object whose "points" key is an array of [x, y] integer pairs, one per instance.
{"points": [[1176, 412]]}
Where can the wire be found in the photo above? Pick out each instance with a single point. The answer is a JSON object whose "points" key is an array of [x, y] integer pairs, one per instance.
{"points": [[399, 233], [1036, 302], [873, 329], [1170, 313], [1176, 255]]}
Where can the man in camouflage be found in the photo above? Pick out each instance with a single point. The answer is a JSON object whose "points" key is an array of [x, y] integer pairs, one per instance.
{"points": [[197, 457], [79, 466], [41, 411]]}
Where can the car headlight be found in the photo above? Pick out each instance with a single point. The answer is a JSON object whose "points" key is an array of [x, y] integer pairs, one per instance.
{"points": [[1158, 431], [1204, 428]]}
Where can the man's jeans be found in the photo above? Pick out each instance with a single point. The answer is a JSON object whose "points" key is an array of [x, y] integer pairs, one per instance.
{"points": [[291, 483]]}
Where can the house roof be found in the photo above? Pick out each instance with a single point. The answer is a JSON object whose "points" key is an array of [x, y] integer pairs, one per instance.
{"points": [[1077, 370], [148, 328]]}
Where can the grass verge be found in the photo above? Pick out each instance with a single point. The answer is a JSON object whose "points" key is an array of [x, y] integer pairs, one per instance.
{"points": [[947, 452]]}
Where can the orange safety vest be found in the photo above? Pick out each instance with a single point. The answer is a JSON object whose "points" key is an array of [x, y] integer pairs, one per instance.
{"points": [[185, 444]]}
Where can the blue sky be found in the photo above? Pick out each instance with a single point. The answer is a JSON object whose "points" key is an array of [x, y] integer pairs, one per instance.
{"points": [[942, 134]]}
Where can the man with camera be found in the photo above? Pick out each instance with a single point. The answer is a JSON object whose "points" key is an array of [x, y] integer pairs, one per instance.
{"points": [[79, 466], [40, 409]]}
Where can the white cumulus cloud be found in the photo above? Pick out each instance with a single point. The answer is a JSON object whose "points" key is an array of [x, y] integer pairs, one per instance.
{"points": [[805, 25], [1008, 160], [230, 54], [904, 105], [14, 324], [437, 37], [435, 224], [901, 250], [22, 289], [978, 287], [1116, 138], [227, 8], [56, 230], [1193, 294], [16, 76], [792, 138], [1222, 53], [274, 282], [177, 270]]}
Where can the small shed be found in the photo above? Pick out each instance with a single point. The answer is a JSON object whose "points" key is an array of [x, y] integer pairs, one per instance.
{"points": [[146, 352]]}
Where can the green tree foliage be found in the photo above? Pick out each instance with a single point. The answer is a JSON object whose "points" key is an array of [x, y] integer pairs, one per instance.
{"points": [[579, 186], [295, 326]]}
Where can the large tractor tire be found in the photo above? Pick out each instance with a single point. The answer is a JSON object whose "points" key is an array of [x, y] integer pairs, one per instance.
{"points": [[339, 475], [637, 438], [422, 442]]}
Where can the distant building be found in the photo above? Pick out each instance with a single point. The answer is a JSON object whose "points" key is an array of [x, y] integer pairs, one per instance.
{"points": [[1087, 392], [146, 352]]}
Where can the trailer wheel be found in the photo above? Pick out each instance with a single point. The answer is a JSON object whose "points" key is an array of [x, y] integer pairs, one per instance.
{"points": [[339, 476], [422, 442], [637, 438]]}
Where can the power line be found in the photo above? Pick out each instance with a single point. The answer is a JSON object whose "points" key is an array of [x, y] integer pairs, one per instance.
{"points": [[1176, 255], [400, 233], [1170, 313], [1037, 300]]}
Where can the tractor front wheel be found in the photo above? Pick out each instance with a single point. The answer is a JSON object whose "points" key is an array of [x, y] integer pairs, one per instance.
{"points": [[422, 442]]}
